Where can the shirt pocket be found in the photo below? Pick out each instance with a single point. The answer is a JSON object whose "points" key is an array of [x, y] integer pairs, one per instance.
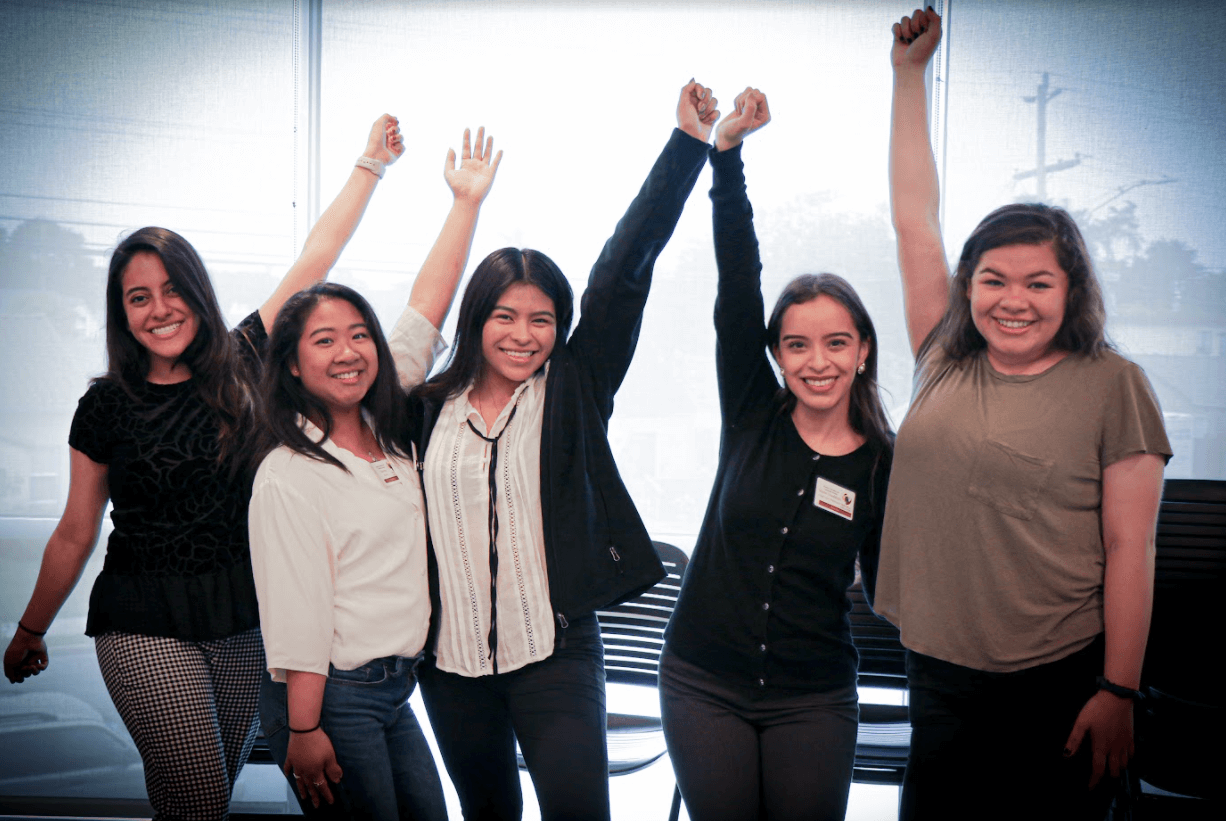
{"points": [[1008, 480]]}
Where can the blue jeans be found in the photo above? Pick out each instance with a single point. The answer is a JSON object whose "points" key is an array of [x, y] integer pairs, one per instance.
{"points": [[389, 770]]}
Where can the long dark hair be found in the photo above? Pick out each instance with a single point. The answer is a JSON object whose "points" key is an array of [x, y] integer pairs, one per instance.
{"points": [[220, 374], [1085, 316], [866, 412], [497, 272], [285, 398]]}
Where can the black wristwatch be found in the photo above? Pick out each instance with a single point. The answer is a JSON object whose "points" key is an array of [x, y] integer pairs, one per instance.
{"points": [[1118, 690]]}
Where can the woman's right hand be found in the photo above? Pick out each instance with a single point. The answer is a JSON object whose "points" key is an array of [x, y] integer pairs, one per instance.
{"points": [[697, 111], [26, 656], [749, 113], [311, 762], [475, 175], [915, 39]]}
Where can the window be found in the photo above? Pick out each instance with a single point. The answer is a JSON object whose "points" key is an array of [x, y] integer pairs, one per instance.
{"points": [[196, 116]]}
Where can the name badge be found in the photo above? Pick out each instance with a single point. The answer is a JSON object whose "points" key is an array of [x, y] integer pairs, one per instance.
{"points": [[385, 471], [837, 499]]}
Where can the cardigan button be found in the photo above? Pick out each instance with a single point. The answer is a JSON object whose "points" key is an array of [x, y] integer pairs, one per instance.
{"points": [[762, 647], [800, 492], [761, 682], [816, 456], [766, 605], [784, 531], [770, 568]]}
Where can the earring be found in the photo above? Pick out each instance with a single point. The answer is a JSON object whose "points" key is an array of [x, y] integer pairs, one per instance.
{"points": [[860, 369]]}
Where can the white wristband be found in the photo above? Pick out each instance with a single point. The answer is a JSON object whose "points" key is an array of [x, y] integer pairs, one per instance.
{"points": [[375, 167]]}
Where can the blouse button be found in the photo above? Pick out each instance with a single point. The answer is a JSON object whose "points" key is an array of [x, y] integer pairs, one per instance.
{"points": [[784, 531]]}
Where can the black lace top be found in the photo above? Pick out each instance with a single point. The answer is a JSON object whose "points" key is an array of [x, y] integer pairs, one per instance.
{"points": [[178, 562]]}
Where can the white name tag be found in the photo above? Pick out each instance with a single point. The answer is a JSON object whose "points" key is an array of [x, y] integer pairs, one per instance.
{"points": [[837, 499], [385, 471]]}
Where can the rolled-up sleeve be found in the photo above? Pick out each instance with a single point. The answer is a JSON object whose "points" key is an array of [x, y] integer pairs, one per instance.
{"points": [[415, 344], [294, 567]]}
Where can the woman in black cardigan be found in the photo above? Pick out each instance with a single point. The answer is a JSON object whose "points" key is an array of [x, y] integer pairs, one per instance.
{"points": [[518, 418], [758, 676]]}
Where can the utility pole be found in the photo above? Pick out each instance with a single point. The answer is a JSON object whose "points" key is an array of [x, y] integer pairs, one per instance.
{"points": [[1041, 167]]}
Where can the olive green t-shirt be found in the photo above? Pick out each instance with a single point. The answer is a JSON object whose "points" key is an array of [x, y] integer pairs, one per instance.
{"points": [[992, 552]]}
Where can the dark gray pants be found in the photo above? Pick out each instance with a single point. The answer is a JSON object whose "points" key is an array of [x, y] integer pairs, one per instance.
{"points": [[740, 755]]}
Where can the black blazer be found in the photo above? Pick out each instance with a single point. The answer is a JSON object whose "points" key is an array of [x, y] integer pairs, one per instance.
{"points": [[597, 549]]}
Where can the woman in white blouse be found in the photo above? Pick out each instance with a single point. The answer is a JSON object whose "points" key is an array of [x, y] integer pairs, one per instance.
{"points": [[338, 534]]}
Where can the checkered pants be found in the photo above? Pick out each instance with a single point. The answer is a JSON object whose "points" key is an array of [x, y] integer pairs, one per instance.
{"points": [[191, 707]]}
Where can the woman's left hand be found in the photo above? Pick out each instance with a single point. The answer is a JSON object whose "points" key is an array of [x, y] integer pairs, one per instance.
{"points": [[749, 113], [385, 143], [474, 176], [1107, 720]]}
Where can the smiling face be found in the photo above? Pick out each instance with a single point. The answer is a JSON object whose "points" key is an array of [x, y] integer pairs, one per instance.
{"points": [[517, 337], [819, 351], [337, 358], [158, 317], [1018, 295]]}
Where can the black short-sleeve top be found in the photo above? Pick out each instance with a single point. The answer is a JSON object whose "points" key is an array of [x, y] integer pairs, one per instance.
{"points": [[177, 563]]}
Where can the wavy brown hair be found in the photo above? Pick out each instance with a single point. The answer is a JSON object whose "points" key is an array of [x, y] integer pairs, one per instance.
{"points": [[223, 377], [1083, 330]]}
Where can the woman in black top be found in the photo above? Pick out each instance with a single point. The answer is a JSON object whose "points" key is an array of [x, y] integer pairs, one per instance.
{"points": [[758, 677], [161, 435], [518, 422]]}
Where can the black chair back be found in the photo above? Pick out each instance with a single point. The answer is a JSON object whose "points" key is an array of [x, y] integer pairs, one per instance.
{"points": [[633, 631]]}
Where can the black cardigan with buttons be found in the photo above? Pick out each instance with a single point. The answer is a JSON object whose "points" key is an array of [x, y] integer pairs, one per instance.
{"points": [[764, 603]]}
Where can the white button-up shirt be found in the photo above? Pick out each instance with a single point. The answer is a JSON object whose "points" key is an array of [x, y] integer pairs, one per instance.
{"points": [[340, 558], [457, 487]]}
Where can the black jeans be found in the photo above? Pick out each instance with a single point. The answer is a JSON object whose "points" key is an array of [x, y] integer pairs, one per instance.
{"points": [[991, 745], [555, 707]]}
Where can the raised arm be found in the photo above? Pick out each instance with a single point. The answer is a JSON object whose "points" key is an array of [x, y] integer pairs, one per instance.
{"points": [[749, 113], [915, 193], [611, 308], [745, 373], [336, 225], [67, 551], [436, 283], [696, 111]]}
